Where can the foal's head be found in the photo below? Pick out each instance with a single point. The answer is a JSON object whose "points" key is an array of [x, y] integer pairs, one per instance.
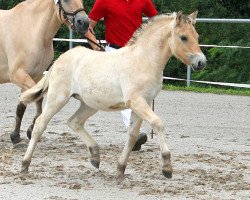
{"points": [[74, 15], [184, 41]]}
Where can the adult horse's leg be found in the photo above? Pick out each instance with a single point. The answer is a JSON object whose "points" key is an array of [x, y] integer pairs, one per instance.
{"points": [[24, 81], [15, 135], [54, 104], [140, 107], [39, 104], [133, 133], [76, 123]]}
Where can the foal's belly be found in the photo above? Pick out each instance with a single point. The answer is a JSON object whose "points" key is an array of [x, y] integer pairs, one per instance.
{"points": [[4, 69], [106, 100], [4, 74]]}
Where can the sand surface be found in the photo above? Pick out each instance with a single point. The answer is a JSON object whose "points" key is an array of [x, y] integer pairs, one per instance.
{"points": [[208, 135]]}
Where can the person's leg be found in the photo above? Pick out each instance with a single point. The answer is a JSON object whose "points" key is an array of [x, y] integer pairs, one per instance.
{"points": [[126, 117], [142, 138]]}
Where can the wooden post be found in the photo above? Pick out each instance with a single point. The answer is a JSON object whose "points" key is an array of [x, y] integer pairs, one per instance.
{"points": [[153, 108]]}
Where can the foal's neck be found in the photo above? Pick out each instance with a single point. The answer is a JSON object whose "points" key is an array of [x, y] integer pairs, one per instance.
{"points": [[154, 42]]}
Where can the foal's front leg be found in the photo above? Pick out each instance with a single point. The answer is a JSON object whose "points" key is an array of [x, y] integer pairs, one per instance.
{"points": [[133, 133], [142, 109]]}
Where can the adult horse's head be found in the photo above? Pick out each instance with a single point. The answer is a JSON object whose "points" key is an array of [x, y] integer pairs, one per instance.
{"points": [[184, 41], [74, 14]]}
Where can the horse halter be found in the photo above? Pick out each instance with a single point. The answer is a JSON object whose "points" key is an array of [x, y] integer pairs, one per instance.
{"points": [[66, 14]]}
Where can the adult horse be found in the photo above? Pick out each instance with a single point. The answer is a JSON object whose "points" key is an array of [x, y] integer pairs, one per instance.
{"points": [[26, 43], [130, 77]]}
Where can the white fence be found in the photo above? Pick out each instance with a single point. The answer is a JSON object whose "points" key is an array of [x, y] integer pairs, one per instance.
{"points": [[188, 80]]}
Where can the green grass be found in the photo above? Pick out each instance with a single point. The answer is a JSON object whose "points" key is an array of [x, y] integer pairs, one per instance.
{"points": [[214, 90]]}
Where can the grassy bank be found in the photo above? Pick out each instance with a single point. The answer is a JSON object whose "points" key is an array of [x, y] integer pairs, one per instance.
{"points": [[214, 90]]}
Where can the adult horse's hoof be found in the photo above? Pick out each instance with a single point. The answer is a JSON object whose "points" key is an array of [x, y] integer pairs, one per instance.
{"points": [[167, 174], [21, 145], [15, 138], [95, 163], [29, 131]]}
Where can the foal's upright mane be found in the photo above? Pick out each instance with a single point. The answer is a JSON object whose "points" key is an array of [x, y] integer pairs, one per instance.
{"points": [[148, 24], [152, 21]]}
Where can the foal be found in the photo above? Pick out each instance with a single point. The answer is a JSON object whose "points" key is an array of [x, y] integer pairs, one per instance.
{"points": [[26, 43], [130, 77]]}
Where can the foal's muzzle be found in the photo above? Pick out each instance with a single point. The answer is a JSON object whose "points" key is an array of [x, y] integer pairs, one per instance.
{"points": [[197, 61], [81, 23]]}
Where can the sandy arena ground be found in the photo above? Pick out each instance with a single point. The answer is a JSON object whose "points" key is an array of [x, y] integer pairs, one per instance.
{"points": [[208, 135]]}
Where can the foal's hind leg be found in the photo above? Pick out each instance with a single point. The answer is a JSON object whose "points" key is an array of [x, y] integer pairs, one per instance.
{"points": [[39, 104], [15, 135], [133, 133], [53, 105], [76, 122]]}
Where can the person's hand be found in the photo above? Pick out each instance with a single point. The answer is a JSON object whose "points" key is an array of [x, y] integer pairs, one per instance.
{"points": [[99, 47]]}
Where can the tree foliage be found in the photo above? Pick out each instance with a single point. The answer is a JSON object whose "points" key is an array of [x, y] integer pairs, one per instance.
{"points": [[224, 64]]}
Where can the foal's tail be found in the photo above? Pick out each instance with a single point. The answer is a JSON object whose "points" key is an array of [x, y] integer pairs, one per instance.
{"points": [[38, 91]]}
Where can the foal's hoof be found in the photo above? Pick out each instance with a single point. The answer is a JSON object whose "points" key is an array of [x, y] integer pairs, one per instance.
{"points": [[25, 167], [95, 163], [24, 170], [120, 178], [167, 174]]}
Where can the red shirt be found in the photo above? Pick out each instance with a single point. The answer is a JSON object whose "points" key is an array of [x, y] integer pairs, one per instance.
{"points": [[121, 17]]}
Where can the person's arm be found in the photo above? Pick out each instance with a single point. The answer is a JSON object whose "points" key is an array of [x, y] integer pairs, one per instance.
{"points": [[97, 12], [90, 35], [149, 9]]}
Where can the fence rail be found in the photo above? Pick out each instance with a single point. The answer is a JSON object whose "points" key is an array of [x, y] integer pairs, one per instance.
{"points": [[216, 20]]}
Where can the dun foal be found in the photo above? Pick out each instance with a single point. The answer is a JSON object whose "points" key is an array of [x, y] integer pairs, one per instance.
{"points": [[130, 77], [26, 43]]}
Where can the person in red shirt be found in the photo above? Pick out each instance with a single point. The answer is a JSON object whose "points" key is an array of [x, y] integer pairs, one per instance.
{"points": [[121, 18]]}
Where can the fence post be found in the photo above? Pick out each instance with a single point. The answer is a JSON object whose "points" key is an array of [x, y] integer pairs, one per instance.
{"points": [[70, 37], [188, 75]]}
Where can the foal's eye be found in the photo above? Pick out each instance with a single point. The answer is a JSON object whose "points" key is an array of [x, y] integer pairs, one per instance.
{"points": [[183, 38]]}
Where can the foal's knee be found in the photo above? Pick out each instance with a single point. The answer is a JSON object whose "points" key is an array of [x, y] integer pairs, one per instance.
{"points": [[157, 124]]}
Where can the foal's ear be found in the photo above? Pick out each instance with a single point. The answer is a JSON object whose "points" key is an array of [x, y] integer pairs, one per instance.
{"points": [[193, 16], [179, 18]]}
